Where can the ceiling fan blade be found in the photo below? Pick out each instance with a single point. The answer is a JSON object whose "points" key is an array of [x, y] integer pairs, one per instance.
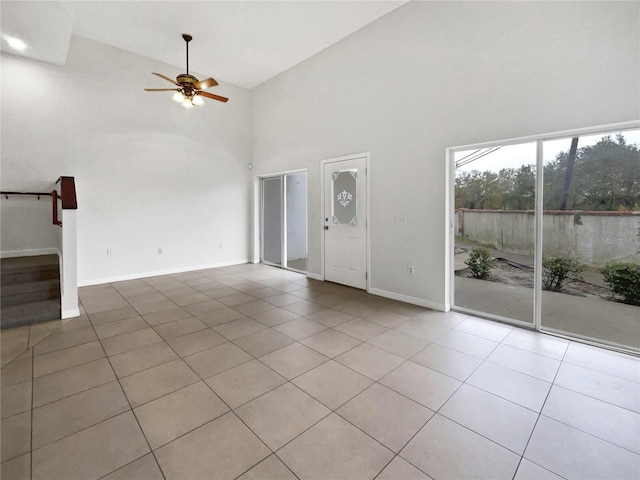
{"points": [[165, 78], [207, 83], [160, 89], [213, 96]]}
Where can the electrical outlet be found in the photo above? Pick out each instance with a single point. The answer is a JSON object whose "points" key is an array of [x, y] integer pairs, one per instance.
{"points": [[159, 250], [221, 246], [411, 270], [109, 251]]}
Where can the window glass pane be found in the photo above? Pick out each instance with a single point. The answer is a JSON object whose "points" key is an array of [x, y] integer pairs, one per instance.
{"points": [[495, 225], [272, 220], [344, 208], [591, 237]]}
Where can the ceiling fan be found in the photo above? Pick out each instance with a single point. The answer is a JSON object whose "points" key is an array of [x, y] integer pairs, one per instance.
{"points": [[189, 91]]}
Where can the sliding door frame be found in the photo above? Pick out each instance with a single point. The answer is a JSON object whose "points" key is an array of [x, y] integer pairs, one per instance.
{"points": [[539, 214], [284, 263], [282, 220]]}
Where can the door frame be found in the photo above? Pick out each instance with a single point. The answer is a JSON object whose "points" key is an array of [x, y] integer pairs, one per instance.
{"points": [[323, 163], [450, 233], [258, 251], [283, 221]]}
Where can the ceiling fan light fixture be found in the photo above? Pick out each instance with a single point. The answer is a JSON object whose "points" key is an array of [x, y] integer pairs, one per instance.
{"points": [[189, 91], [178, 97], [15, 43]]}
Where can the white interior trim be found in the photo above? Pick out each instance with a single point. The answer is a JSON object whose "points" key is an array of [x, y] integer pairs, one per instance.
{"points": [[580, 132], [537, 258], [134, 276], [494, 317], [409, 299], [70, 313], [29, 253], [258, 209], [257, 205]]}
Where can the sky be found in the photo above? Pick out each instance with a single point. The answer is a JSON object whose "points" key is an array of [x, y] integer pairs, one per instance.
{"points": [[513, 156]]}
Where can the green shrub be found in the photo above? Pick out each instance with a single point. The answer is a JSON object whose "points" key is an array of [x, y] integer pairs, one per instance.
{"points": [[480, 262], [623, 279], [558, 272]]}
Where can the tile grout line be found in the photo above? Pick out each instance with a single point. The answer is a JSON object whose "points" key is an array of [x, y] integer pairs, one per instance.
{"points": [[230, 410], [437, 412], [130, 409], [538, 418], [484, 360], [31, 414], [359, 393]]}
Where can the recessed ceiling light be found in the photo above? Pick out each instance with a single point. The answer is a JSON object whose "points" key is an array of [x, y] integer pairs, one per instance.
{"points": [[15, 42]]}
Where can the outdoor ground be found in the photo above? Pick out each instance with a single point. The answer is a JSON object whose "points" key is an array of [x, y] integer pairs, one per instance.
{"points": [[586, 309], [510, 273]]}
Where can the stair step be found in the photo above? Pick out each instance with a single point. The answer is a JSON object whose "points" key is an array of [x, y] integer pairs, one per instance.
{"points": [[29, 297], [29, 313], [29, 261], [30, 290], [29, 274], [29, 287]]}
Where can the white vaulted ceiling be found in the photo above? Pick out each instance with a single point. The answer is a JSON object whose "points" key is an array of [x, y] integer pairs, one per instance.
{"points": [[240, 42]]}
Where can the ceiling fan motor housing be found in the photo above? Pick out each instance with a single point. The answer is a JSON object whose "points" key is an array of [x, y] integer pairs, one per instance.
{"points": [[186, 80], [188, 83]]}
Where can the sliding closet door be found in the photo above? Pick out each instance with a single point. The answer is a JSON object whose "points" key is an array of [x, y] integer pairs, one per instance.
{"points": [[296, 225], [272, 206], [284, 221]]}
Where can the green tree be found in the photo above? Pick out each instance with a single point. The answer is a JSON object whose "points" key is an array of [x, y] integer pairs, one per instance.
{"points": [[606, 177], [509, 189]]}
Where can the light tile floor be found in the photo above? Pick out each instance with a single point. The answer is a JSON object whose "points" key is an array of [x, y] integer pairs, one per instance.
{"points": [[253, 372]]}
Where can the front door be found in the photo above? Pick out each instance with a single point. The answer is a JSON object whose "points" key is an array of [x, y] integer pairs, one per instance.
{"points": [[345, 222]]}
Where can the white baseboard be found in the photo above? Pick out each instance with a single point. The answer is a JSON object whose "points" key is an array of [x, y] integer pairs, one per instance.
{"points": [[442, 307], [28, 253], [135, 276], [315, 276], [71, 313]]}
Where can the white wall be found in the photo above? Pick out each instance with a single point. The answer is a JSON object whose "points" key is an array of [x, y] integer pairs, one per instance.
{"points": [[432, 75], [26, 225], [148, 173]]}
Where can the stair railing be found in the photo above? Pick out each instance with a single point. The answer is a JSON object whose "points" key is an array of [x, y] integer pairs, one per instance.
{"points": [[67, 196]]}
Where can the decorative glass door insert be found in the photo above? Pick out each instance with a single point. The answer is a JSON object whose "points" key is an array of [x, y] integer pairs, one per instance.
{"points": [[344, 210]]}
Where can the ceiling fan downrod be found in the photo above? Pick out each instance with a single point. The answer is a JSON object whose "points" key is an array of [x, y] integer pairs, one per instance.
{"points": [[187, 39]]}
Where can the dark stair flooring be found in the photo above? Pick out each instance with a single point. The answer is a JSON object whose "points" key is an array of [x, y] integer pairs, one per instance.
{"points": [[30, 290]]}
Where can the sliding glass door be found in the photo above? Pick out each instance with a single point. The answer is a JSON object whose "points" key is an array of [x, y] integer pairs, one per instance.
{"points": [[495, 230], [591, 237], [284, 221], [547, 233]]}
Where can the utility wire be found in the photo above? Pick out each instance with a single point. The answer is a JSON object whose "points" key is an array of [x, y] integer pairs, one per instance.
{"points": [[475, 156]]}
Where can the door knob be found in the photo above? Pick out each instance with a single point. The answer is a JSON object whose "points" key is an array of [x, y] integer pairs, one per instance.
{"points": [[326, 227]]}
